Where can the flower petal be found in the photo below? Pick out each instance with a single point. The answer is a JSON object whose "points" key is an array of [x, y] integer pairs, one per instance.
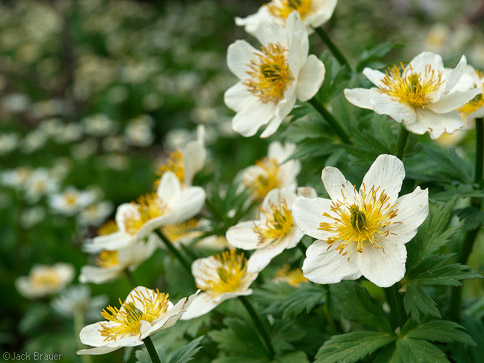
{"points": [[113, 241], [310, 78], [360, 97], [239, 55], [237, 96], [327, 266], [308, 214], [456, 74], [243, 236], [454, 100], [438, 123], [263, 256], [374, 76], [419, 63], [387, 173], [98, 275], [383, 104], [337, 186], [201, 305], [169, 187], [384, 267], [252, 116]]}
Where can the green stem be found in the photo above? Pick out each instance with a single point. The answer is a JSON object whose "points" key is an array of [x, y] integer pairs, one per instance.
{"points": [[78, 324], [258, 324], [186, 264], [151, 350], [130, 277], [331, 120], [401, 141], [471, 236], [395, 300], [335, 326], [332, 47], [302, 248]]}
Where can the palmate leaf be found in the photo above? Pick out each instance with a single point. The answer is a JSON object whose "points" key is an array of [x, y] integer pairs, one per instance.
{"points": [[418, 302], [352, 347], [417, 351], [442, 331], [471, 216], [182, 355], [355, 303]]}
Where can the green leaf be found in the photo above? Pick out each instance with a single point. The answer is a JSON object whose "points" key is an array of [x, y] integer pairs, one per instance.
{"points": [[417, 351], [143, 356], [371, 56], [352, 347], [354, 302], [186, 353], [417, 301], [294, 357], [473, 217], [441, 331]]}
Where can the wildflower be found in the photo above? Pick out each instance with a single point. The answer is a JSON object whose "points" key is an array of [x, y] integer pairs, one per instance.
{"points": [[293, 277], [96, 213], [361, 232], [144, 312], [169, 205], [111, 264], [186, 162], [314, 13], [45, 280], [272, 232], [420, 95], [77, 299], [272, 171], [220, 278], [40, 183], [473, 109], [272, 78], [71, 201]]}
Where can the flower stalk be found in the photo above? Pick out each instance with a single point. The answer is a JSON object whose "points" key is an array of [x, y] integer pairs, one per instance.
{"points": [[335, 125], [258, 323], [471, 236], [130, 277], [401, 141], [185, 263], [78, 324], [151, 350], [332, 47]]}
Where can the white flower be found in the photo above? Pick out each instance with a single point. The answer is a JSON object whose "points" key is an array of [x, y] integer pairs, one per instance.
{"points": [[272, 78], [473, 109], [144, 312], [314, 13], [71, 201], [169, 205], [8, 142], [16, 178], [111, 264], [45, 280], [273, 171], [272, 232], [361, 232], [96, 213], [78, 299], [220, 278], [188, 161], [99, 125], [420, 95], [139, 132], [40, 183]]}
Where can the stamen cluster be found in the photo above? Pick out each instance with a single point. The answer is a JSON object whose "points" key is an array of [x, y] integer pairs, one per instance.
{"points": [[148, 207], [278, 223], [283, 8], [267, 179]]}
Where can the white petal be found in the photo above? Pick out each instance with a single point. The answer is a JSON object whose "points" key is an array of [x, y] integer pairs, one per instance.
{"points": [[113, 241], [438, 123], [310, 78], [383, 267], [454, 100], [169, 187], [201, 305], [239, 55], [387, 173], [413, 209], [254, 115], [298, 43], [360, 97], [383, 104], [374, 76], [98, 275], [325, 266], [269, 31], [243, 236], [456, 74], [98, 350], [263, 256], [427, 58], [325, 9], [90, 335], [277, 196], [337, 186], [280, 152], [308, 214], [123, 211], [237, 96], [194, 157], [282, 110]]}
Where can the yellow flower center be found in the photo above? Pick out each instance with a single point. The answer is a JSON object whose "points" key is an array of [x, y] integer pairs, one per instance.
{"points": [[107, 259], [107, 228], [175, 232], [223, 273], [269, 74], [128, 319], [175, 164], [265, 180], [360, 224], [292, 277], [148, 207], [71, 199], [406, 86], [278, 223], [477, 102], [283, 8], [46, 278]]}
